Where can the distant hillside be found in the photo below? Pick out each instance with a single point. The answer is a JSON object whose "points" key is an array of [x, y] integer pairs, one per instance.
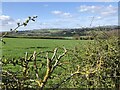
{"points": [[62, 32]]}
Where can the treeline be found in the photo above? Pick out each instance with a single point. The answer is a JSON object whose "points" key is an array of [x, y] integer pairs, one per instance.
{"points": [[36, 37], [63, 32]]}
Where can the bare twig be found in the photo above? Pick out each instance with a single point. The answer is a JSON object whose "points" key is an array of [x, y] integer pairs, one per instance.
{"points": [[35, 65], [54, 54], [25, 64], [58, 59], [18, 25], [86, 73], [50, 67]]}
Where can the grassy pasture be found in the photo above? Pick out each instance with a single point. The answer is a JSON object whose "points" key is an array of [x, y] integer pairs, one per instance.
{"points": [[16, 47]]}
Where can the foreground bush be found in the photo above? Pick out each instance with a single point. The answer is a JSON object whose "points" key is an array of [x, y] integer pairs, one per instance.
{"points": [[96, 67], [99, 64], [32, 72]]}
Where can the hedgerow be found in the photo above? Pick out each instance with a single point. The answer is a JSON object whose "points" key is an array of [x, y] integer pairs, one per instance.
{"points": [[98, 66]]}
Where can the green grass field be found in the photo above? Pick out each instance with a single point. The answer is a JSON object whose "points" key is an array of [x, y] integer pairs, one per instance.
{"points": [[16, 47]]}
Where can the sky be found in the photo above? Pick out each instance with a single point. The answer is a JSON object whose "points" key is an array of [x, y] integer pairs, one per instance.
{"points": [[59, 0], [58, 14]]}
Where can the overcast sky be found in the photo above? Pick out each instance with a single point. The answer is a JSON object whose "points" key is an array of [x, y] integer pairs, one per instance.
{"points": [[59, 14]]}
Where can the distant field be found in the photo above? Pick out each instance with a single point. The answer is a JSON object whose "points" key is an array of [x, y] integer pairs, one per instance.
{"points": [[16, 47]]}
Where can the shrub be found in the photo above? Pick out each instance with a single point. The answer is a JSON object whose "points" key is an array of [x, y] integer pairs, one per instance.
{"points": [[99, 64]]}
